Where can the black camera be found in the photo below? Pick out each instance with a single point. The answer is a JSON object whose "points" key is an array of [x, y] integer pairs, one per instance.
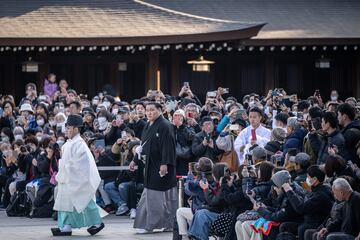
{"points": [[24, 149], [208, 137]]}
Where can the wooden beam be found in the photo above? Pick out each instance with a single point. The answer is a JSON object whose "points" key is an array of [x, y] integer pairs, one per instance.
{"points": [[151, 70]]}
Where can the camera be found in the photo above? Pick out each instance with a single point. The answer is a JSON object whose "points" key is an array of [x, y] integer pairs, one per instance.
{"points": [[208, 137], [24, 149]]}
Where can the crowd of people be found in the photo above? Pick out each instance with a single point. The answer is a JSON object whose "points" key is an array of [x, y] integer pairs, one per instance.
{"points": [[260, 167]]}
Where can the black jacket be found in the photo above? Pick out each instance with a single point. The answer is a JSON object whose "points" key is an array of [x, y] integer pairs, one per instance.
{"points": [[261, 189], [199, 150], [159, 149], [284, 212], [350, 217], [315, 206], [138, 127], [183, 136], [106, 159], [320, 145], [350, 142]]}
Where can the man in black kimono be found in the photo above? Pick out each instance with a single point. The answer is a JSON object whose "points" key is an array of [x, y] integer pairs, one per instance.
{"points": [[157, 206]]}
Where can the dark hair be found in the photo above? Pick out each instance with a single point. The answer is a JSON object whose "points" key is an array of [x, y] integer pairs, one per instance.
{"points": [[330, 117], [315, 171], [8, 102], [155, 104], [278, 169], [140, 103], [282, 117], [7, 131], [256, 109], [32, 139], [265, 169], [334, 164], [292, 152], [348, 110], [56, 148], [129, 131], [302, 105], [218, 170], [44, 142], [78, 105], [315, 112]]}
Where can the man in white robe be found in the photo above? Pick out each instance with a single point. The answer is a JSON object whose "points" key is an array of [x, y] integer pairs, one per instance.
{"points": [[78, 180]]}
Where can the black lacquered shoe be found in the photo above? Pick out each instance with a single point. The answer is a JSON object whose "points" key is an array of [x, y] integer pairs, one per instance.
{"points": [[57, 232], [94, 230]]}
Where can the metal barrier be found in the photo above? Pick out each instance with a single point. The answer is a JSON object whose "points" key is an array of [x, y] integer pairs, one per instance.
{"points": [[181, 192], [111, 168], [180, 180]]}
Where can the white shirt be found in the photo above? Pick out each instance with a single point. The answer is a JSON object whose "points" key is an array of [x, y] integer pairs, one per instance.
{"points": [[262, 135]]}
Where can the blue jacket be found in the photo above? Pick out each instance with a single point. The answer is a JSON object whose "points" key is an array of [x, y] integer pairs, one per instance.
{"points": [[295, 140]]}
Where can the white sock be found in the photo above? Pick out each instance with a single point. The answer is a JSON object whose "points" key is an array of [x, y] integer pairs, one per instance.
{"points": [[66, 228], [97, 225]]}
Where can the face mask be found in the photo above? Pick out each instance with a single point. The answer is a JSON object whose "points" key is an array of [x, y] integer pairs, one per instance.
{"points": [[115, 111], [61, 109], [308, 181], [334, 98], [39, 138], [95, 102], [18, 136], [252, 104], [106, 104], [102, 123], [52, 123], [60, 142], [5, 138], [40, 122]]}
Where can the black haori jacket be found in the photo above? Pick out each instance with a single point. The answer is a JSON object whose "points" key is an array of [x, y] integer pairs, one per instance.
{"points": [[159, 149]]}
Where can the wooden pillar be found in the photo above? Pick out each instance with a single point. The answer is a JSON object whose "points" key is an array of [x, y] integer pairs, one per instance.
{"points": [[79, 82], [269, 73], [357, 79], [10, 81], [175, 73], [114, 78], [151, 70], [44, 70]]}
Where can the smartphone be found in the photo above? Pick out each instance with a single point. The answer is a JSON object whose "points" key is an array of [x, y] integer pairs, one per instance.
{"points": [[253, 134], [248, 190], [100, 143], [211, 94], [234, 127], [203, 177], [225, 90], [123, 134], [186, 84], [300, 116], [330, 142], [310, 125]]}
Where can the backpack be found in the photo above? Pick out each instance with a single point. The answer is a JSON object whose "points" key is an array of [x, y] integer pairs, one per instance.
{"points": [[20, 205]]}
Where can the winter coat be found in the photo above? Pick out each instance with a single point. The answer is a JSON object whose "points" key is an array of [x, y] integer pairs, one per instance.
{"points": [[284, 211], [184, 136], [295, 140], [315, 206], [199, 150], [320, 145]]}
